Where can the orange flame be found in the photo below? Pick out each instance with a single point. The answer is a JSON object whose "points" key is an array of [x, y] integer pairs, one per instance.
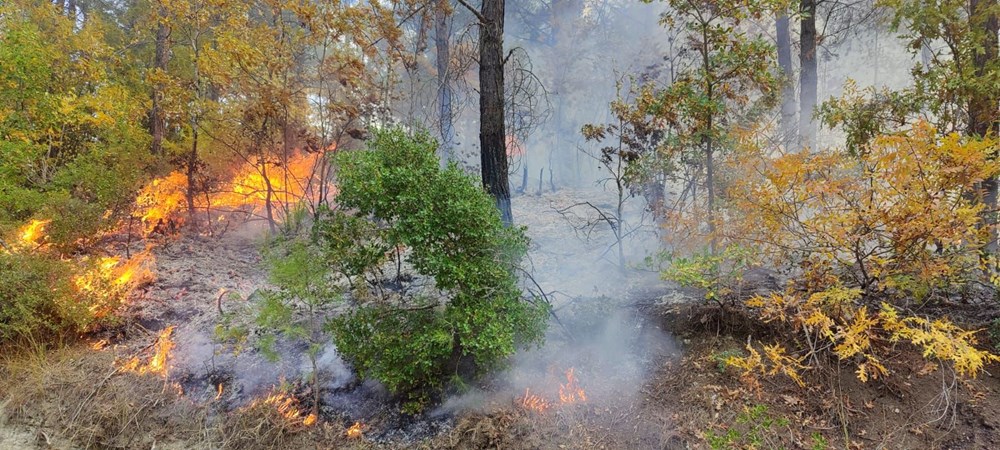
{"points": [[219, 394], [163, 199], [107, 284], [287, 406], [571, 392], [161, 353], [356, 430], [34, 231], [533, 402]]}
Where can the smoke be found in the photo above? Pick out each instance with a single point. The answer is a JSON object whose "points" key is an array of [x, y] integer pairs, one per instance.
{"points": [[597, 331]]}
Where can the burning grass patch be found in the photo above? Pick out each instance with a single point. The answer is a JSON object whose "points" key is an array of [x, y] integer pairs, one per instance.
{"points": [[79, 395]]}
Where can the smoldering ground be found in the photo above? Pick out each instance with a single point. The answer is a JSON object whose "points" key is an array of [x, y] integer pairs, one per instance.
{"points": [[596, 334]]}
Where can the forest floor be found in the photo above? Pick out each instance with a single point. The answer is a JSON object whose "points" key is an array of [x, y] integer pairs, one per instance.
{"points": [[646, 354]]}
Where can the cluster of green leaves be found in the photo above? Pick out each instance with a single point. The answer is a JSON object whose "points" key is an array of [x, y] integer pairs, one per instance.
{"points": [[454, 235], [755, 427], [715, 274], [72, 144], [36, 297]]}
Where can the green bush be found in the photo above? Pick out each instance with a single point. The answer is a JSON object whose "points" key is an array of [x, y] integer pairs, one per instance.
{"points": [[36, 298], [454, 235]]}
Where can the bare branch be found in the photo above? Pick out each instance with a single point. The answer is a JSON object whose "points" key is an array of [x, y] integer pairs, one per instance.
{"points": [[479, 16]]}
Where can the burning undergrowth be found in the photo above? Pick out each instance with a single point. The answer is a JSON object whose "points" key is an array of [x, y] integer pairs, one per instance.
{"points": [[590, 373], [257, 190]]}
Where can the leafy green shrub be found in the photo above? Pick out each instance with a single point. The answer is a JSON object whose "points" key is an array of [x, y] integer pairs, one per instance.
{"points": [[454, 235], [715, 274], [36, 298]]}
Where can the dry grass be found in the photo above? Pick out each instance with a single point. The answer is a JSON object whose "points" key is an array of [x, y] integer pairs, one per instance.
{"points": [[73, 397]]}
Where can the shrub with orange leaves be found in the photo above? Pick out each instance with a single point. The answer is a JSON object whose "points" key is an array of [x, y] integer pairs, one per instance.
{"points": [[896, 219], [862, 231]]}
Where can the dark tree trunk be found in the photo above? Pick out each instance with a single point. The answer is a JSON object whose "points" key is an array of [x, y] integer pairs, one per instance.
{"points": [[807, 74], [493, 155], [984, 117], [157, 126], [784, 42], [442, 43], [71, 9]]}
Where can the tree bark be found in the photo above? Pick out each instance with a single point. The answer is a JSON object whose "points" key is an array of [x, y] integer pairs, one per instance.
{"points": [[984, 117], [789, 129], [157, 127], [807, 74], [493, 155], [442, 44]]}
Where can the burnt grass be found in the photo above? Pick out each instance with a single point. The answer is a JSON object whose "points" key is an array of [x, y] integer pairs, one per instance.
{"points": [[67, 399], [648, 357]]}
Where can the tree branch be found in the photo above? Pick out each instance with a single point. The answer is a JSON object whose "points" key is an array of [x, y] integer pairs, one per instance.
{"points": [[479, 16]]}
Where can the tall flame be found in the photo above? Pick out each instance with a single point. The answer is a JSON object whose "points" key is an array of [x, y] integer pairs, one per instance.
{"points": [[571, 392], [162, 200], [34, 231]]}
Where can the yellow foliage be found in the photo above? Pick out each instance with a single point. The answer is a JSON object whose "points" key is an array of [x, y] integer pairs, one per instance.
{"points": [[892, 221], [778, 361], [939, 339]]}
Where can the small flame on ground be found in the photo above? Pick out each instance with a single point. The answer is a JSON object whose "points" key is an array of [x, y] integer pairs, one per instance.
{"points": [[99, 345], [219, 394], [356, 430], [34, 231], [533, 402], [161, 353], [571, 392], [287, 406]]}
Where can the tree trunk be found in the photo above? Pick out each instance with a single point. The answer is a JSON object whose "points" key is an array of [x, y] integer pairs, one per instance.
{"points": [[192, 170], [984, 117], [157, 126], [807, 74], [442, 43], [784, 42], [493, 155]]}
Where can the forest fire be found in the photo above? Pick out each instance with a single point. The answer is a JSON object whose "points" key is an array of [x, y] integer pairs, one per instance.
{"points": [[533, 402], [161, 354], [161, 199], [355, 431], [254, 184], [108, 283], [34, 231], [287, 406], [569, 393]]}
